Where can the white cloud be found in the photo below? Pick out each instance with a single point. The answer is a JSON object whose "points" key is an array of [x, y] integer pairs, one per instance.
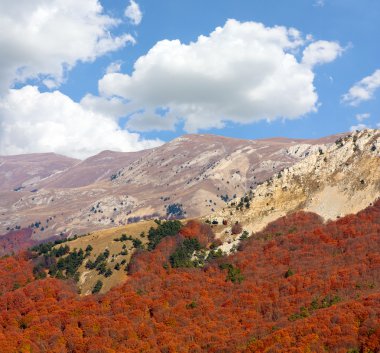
{"points": [[152, 122], [359, 127], [31, 121], [321, 52], [241, 72], [362, 117], [133, 12], [113, 107], [319, 3], [44, 38], [363, 90], [115, 66]]}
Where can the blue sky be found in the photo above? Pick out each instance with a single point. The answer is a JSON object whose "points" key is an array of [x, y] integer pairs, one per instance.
{"points": [[126, 102]]}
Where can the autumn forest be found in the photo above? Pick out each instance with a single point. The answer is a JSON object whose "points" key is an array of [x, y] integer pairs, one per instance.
{"points": [[300, 285]]}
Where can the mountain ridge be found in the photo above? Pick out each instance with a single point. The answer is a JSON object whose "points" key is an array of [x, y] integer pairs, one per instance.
{"points": [[199, 173]]}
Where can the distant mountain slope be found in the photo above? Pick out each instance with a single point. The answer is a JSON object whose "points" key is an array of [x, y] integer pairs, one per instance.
{"points": [[91, 170], [22, 171], [192, 175], [337, 180]]}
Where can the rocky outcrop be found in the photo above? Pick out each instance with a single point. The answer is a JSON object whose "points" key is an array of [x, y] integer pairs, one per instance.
{"points": [[333, 181]]}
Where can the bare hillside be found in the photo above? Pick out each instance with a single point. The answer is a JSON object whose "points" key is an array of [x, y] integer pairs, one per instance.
{"points": [[190, 176], [341, 179], [23, 171]]}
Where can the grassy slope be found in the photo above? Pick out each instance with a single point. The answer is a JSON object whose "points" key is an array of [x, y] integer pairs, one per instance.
{"points": [[102, 240]]}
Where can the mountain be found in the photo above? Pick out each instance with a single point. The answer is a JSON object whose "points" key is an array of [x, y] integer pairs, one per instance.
{"points": [[337, 180], [92, 170], [190, 176], [22, 171], [289, 264], [329, 182]]}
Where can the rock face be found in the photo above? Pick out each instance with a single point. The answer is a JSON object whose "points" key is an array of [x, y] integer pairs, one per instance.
{"points": [[334, 181], [190, 176]]}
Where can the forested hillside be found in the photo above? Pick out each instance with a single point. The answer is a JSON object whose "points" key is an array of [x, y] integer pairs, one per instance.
{"points": [[297, 286]]}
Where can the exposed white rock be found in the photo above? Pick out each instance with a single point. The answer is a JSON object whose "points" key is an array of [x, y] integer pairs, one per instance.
{"points": [[335, 181]]}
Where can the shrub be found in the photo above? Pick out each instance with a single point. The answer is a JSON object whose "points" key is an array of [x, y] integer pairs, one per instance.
{"points": [[137, 243], [234, 274], [182, 255], [244, 236], [164, 229], [175, 210], [288, 273], [89, 248], [236, 228], [108, 273], [98, 286]]}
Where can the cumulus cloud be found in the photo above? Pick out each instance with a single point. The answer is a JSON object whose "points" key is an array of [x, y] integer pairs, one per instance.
{"points": [[45, 38], [31, 121], [363, 90], [319, 3], [151, 121], [133, 12], [362, 117], [241, 72], [113, 107], [359, 127], [115, 66], [321, 52]]}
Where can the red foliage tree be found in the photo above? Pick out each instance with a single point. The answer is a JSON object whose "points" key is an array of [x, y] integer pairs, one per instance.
{"points": [[307, 286]]}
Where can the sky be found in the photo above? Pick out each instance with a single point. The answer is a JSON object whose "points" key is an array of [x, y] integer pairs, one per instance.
{"points": [[79, 77]]}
